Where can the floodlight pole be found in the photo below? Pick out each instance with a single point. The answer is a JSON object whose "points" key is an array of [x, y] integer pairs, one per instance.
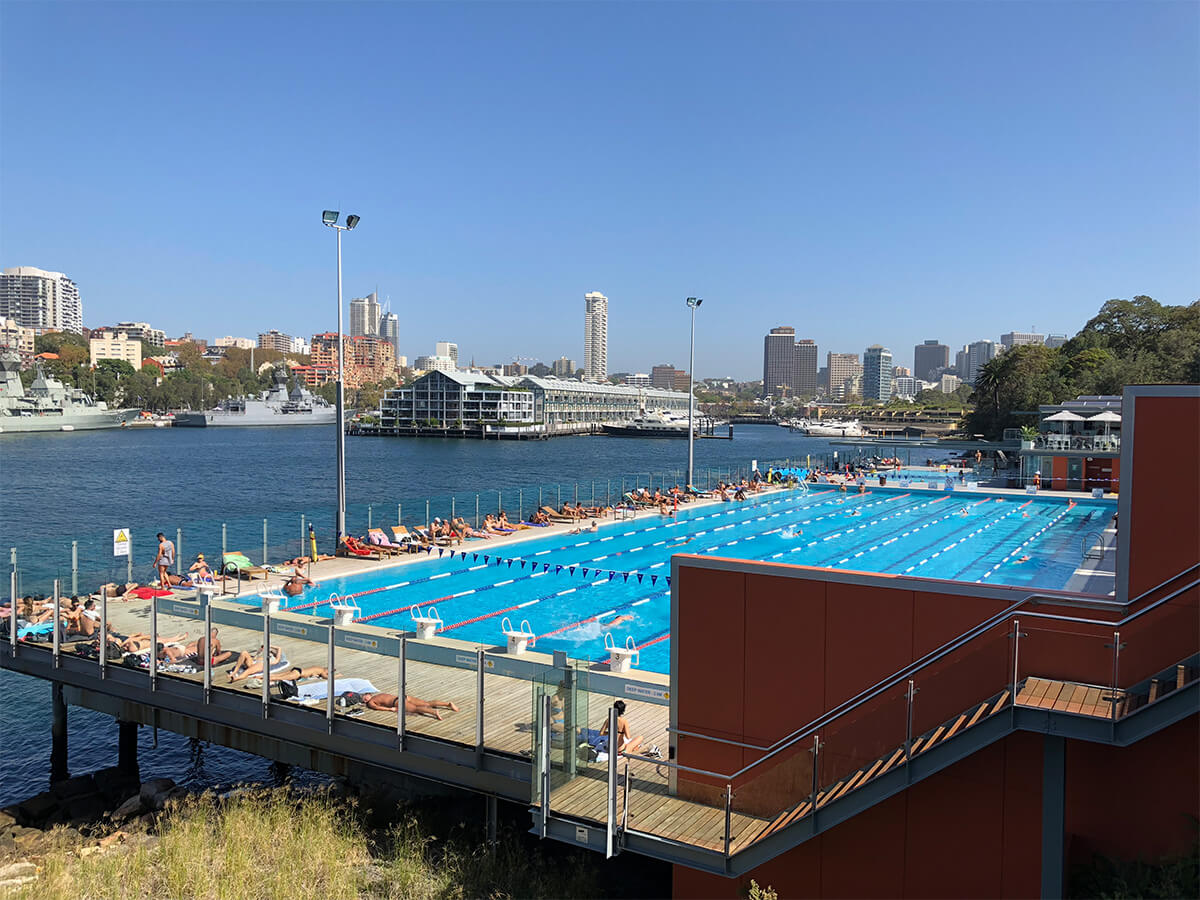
{"points": [[340, 518], [692, 302]]}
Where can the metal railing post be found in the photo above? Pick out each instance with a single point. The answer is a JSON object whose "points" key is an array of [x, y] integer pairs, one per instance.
{"points": [[178, 551], [153, 643], [12, 611], [520, 504], [476, 510], [1016, 662], [399, 513], [402, 703], [479, 661], [728, 818], [74, 568], [614, 740], [266, 660], [499, 502], [329, 661], [264, 542], [816, 777], [224, 544], [1116, 675], [129, 560], [103, 656], [206, 599], [427, 513], [303, 535], [453, 514], [57, 624], [558, 487], [908, 722], [544, 763], [608, 492], [593, 492], [370, 516]]}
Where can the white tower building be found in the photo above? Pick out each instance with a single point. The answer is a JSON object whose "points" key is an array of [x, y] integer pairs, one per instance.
{"points": [[595, 337], [40, 300]]}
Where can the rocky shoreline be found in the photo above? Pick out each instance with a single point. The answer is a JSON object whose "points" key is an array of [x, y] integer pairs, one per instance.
{"points": [[97, 813]]}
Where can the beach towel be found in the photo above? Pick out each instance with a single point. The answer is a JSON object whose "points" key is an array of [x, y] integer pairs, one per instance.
{"points": [[145, 593], [319, 690]]}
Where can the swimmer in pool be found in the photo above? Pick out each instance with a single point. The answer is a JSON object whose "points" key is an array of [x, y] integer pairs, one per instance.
{"points": [[1021, 560], [619, 620]]}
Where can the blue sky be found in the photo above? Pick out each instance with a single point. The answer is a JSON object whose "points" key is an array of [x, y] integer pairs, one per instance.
{"points": [[866, 172]]}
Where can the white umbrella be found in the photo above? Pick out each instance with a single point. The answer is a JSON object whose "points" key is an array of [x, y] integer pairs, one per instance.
{"points": [[1107, 417], [1064, 416]]}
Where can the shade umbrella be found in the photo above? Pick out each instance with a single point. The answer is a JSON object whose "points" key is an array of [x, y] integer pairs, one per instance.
{"points": [[1064, 416], [1107, 417]]}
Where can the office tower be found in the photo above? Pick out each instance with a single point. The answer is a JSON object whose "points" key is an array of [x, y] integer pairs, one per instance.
{"points": [[841, 366], [595, 336], [961, 361], [877, 373], [364, 315], [904, 387], [389, 330], [447, 349], [1021, 339], [275, 340], [663, 377], [43, 301], [779, 362], [929, 359], [563, 367], [979, 354], [804, 368]]}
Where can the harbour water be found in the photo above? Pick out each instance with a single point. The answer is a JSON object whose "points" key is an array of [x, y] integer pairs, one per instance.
{"points": [[63, 487]]}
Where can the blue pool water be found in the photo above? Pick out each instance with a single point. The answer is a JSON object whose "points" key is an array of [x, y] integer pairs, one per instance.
{"points": [[570, 588]]}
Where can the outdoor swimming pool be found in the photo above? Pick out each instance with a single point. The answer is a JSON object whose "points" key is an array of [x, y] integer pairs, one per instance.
{"points": [[571, 587]]}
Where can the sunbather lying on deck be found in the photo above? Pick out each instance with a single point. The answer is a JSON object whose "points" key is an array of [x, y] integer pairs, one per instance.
{"points": [[413, 706], [139, 642], [252, 664], [462, 527]]}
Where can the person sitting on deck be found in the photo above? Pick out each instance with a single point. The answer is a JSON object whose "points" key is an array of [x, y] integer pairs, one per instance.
{"points": [[493, 525], [251, 664], [568, 512], [413, 706], [539, 518], [625, 743], [200, 571], [463, 528], [504, 523]]}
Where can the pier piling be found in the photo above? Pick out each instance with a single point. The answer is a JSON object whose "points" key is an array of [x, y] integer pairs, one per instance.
{"points": [[58, 734], [127, 748]]}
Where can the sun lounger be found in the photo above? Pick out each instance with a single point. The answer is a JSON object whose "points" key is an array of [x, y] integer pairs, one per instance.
{"points": [[376, 538], [556, 516], [237, 563], [403, 539], [353, 547]]}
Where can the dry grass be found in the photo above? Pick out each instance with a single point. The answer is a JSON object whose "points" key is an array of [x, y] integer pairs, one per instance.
{"points": [[274, 845]]}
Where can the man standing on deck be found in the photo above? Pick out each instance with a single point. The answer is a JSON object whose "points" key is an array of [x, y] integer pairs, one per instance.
{"points": [[164, 559]]}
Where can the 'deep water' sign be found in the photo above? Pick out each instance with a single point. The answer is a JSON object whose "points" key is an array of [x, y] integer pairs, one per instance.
{"points": [[120, 542]]}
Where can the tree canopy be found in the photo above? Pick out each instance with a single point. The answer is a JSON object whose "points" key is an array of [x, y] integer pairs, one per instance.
{"points": [[1136, 341]]}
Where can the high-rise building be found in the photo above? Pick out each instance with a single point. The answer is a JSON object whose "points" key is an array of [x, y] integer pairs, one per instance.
{"points": [[563, 367], [1021, 339], [276, 340], [929, 359], [141, 331], [447, 349], [641, 379], [901, 372], [804, 368], [389, 330], [904, 387], [43, 301], [663, 377], [979, 354], [300, 346], [595, 336], [877, 373], [949, 383], [364, 315], [961, 361], [779, 362], [841, 366]]}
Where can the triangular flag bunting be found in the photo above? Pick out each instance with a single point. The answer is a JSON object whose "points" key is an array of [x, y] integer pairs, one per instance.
{"points": [[640, 576], [486, 560], [571, 570], [510, 562], [653, 579], [522, 564], [668, 580], [558, 570], [474, 557], [441, 550], [585, 573], [626, 576], [545, 567]]}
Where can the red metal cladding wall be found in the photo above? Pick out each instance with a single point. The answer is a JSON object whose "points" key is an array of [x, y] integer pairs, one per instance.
{"points": [[1164, 520]]}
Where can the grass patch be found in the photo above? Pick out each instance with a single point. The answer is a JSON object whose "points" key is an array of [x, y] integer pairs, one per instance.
{"points": [[273, 844]]}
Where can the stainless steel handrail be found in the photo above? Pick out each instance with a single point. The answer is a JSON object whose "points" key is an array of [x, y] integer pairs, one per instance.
{"points": [[934, 655]]}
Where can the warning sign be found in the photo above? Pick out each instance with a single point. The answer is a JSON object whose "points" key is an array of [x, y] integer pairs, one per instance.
{"points": [[120, 542]]}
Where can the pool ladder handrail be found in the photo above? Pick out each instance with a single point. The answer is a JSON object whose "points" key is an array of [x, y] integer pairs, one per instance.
{"points": [[610, 646], [1090, 548]]}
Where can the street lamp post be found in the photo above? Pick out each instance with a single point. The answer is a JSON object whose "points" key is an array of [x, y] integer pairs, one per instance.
{"points": [[693, 304], [330, 219]]}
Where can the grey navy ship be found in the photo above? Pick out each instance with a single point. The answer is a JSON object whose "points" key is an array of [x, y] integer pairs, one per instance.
{"points": [[49, 405], [277, 406]]}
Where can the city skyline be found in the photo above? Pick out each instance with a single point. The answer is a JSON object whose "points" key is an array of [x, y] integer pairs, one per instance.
{"points": [[880, 167]]}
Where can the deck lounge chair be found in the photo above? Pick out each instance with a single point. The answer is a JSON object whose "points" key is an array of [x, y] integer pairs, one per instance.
{"points": [[376, 538], [401, 538], [555, 516], [235, 562], [353, 547]]}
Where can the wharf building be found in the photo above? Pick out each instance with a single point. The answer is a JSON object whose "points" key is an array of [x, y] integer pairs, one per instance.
{"points": [[472, 401], [41, 300], [877, 374], [930, 359], [595, 336]]}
